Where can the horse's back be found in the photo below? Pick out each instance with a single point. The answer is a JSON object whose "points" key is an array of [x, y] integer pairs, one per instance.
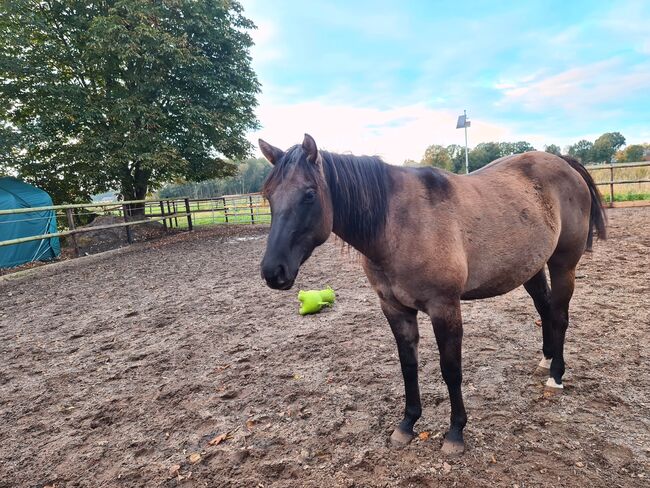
{"points": [[496, 227]]}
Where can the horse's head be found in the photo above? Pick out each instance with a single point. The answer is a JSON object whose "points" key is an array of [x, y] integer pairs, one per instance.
{"points": [[301, 209]]}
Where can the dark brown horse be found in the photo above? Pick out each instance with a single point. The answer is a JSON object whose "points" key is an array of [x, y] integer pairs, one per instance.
{"points": [[430, 239]]}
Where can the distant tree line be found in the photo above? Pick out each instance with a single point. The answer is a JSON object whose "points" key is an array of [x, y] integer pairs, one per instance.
{"points": [[607, 148], [251, 173], [249, 178]]}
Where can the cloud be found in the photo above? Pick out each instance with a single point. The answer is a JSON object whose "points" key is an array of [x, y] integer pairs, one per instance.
{"points": [[584, 88], [396, 134]]}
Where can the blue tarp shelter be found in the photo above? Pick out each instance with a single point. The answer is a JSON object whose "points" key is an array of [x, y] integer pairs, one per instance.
{"points": [[17, 194]]}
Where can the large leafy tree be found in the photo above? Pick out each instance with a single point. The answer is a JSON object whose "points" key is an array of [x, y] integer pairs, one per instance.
{"points": [[483, 154], [582, 150], [457, 155], [553, 149], [606, 146], [632, 153], [437, 156], [123, 94]]}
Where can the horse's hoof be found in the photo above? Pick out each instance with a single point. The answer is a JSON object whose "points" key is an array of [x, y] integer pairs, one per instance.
{"points": [[452, 448], [551, 388], [399, 438]]}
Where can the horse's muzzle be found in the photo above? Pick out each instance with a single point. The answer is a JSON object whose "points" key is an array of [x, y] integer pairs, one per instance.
{"points": [[277, 277]]}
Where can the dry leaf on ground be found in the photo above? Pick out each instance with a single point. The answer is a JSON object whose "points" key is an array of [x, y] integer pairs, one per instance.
{"points": [[220, 438]]}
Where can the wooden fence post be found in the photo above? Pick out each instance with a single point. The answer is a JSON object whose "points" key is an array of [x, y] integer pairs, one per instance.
{"points": [[250, 201], [129, 236], [71, 226], [169, 211], [189, 214], [162, 214], [611, 185], [225, 209]]}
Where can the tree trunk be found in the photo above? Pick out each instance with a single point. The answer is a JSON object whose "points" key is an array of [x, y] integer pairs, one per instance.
{"points": [[134, 187]]}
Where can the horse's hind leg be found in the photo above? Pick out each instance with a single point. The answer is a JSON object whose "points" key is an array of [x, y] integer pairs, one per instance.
{"points": [[403, 323], [448, 329], [537, 288], [562, 284]]}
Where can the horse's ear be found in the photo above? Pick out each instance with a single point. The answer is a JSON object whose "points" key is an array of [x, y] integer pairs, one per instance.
{"points": [[309, 146], [272, 153]]}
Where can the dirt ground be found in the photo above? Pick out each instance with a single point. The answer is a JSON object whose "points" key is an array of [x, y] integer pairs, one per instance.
{"points": [[119, 369]]}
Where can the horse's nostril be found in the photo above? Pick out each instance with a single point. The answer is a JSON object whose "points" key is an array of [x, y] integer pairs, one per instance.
{"points": [[281, 274]]}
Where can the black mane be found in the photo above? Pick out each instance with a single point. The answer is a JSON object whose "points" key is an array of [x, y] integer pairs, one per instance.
{"points": [[359, 187]]}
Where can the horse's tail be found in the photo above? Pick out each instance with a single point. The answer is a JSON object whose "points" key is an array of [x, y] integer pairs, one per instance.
{"points": [[597, 218]]}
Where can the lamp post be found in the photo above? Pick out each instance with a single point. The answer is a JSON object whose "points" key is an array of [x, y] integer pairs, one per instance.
{"points": [[463, 123]]}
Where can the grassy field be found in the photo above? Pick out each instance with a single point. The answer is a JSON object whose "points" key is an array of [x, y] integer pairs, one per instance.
{"points": [[213, 212]]}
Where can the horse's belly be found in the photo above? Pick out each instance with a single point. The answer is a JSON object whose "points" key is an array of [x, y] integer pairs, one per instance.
{"points": [[502, 276]]}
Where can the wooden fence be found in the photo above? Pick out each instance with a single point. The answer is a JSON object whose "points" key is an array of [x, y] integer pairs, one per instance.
{"points": [[628, 178], [182, 213]]}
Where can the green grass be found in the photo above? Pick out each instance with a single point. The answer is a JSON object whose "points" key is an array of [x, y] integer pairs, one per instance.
{"points": [[627, 197]]}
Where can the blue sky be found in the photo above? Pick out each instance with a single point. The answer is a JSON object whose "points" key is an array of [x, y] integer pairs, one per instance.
{"points": [[390, 77]]}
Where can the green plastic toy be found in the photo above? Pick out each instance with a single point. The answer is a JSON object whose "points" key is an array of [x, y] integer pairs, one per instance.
{"points": [[312, 301]]}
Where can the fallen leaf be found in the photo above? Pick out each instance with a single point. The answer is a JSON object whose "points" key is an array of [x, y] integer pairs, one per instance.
{"points": [[220, 438], [493, 460], [580, 464], [194, 458], [423, 436], [174, 470], [250, 424], [297, 376], [446, 468], [538, 323]]}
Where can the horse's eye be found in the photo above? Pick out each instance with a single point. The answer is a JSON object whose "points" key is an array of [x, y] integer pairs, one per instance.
{"points": [[310, 195]]}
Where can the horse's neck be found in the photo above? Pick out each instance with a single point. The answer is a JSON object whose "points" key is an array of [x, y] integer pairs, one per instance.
{"points": [[359, 229]]}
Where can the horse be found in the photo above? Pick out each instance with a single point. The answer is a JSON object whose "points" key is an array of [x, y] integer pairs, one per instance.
{"points": [[429, 238]]}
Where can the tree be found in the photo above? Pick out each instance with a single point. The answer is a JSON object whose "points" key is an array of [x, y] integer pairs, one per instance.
{"points": [[606, 146], [508, 148], [457, 155], [484, 153], [410, 162], [437, 156], [124, 94], [581, 150], [553, 149], [630, 154], [250, 176]]}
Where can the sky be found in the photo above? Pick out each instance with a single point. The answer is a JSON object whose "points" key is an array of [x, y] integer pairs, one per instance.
{"points": [[390, 78]]}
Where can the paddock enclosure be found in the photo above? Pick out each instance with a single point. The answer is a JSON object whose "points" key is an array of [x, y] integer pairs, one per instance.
{"points": [[125, 368]]}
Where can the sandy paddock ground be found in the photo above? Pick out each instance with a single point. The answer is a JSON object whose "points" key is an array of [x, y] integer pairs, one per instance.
{"points": [[120, 369]]}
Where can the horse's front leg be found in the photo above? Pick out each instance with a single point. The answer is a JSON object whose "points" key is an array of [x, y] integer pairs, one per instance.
{"points": [[448, 329], [403, 323]]}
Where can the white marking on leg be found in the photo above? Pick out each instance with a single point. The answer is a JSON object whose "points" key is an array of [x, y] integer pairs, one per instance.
{"points": [[552, 384], [545, 363]]}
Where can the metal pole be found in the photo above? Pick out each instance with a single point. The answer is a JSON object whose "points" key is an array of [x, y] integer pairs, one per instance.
{"points": [[466, 156]]}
